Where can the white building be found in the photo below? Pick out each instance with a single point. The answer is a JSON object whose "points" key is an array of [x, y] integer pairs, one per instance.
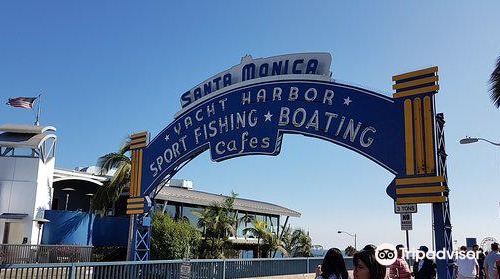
{"points": [[26, 173]]}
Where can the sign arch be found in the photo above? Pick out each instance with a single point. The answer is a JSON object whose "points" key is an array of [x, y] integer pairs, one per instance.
{"points": [[251, 113]]}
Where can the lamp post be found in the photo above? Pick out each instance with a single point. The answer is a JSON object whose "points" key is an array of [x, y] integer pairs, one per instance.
{"points": [[353, 235], [40, 222], [67, 190], [468, 140]]}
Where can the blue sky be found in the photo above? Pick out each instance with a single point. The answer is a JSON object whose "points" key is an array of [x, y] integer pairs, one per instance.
{"points": [[108, 69]]}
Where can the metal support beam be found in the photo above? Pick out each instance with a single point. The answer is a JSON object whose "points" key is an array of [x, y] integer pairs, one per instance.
{"points": [[141, 237], [441, 211]]}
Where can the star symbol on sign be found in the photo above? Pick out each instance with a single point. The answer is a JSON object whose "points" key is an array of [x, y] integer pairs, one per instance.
{"points": [[167, 137], [347, 101], [268, 116]]}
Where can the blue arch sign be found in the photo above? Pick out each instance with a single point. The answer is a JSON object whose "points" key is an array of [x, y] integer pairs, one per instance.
{"points": [[249, 109], [253, 118]]}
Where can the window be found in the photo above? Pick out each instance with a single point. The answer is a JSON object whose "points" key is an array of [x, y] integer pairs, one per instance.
{"points": [[171, 210], [190, 212]]}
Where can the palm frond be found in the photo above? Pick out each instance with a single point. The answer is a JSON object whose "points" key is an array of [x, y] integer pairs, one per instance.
{"points": [[495, 85], [111, 161]]}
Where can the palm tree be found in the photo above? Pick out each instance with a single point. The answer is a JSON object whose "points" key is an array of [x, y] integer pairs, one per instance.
{"points": [[350, 251], [286, 239], [273, 243], [217, 223], [302, 243], [111, 191], [495, 85], [259, 230]]}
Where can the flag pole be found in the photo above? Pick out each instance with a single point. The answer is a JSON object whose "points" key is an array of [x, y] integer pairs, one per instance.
{"points": [[37, 122]]}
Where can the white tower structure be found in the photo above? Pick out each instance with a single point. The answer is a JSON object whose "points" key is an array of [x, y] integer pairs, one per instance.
{"points": [[27, 158]]}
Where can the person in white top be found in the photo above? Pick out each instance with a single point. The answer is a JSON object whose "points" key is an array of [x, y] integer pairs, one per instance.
{"points": [[466, 268], [333, 266], [490, 269]]}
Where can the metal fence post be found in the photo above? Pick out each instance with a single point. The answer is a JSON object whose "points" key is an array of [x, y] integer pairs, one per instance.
{"points": [[224, 269], [307, 268], [72, 273]]}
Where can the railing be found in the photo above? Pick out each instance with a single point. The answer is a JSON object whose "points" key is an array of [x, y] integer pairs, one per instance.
{"points": [[26, 253], [199, 269]]}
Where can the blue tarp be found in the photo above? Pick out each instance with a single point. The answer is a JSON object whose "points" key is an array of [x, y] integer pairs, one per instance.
{"points": [[83, 228]]}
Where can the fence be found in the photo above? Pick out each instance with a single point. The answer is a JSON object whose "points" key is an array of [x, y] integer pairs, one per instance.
{"points": [[26, 253], [199, 269]]}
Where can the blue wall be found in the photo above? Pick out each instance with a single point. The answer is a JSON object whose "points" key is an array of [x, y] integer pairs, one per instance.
{"points": [[83, 228]]}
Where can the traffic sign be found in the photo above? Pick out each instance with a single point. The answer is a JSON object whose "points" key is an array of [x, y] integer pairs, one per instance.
{"points": [[406, 222], [405, 208]]}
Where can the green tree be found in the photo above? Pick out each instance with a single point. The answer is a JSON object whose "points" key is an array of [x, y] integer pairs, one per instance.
{"points": [[296, 242], [495, 85], [273, 243], [286, 239], [350, 251], [172, 239], [217, 223], [302, 243], [258, 230], [108, 194]]}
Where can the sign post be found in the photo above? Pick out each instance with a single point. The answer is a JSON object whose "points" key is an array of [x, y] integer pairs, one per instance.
{"points": [[406, 225]]}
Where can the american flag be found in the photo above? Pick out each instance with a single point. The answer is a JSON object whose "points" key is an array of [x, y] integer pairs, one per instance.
{"points": [[21, 102]]}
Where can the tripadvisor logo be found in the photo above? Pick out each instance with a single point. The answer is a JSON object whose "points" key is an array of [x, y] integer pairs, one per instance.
{"points": [[386, 254]]}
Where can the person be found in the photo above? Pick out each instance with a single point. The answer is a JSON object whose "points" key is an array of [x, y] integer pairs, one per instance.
{"points": [[490, 268], [466, 268], [333, 266], [400, 269], [480, 259], [366, 266], [370, 247], [424, 268]]}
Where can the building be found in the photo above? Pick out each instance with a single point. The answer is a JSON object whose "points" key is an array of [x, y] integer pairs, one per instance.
{"points": [[179, 200], [27, 159], [43, 204]]}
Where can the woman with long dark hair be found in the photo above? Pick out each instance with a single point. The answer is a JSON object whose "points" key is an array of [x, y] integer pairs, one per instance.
{"points": [[367, 267], [333, 266]]}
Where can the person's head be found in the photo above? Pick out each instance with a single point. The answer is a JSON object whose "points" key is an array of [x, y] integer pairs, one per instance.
{"points": [[334, 263], [463, 248], [475, 247], [366, 266], [400, 249], [370, 247], [494, 246], [424, 249]]}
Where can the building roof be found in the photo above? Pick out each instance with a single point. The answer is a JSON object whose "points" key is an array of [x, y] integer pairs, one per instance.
{"points": [[26, 129], [25, 136], [61, 174], [181, 195], [24, 140]]}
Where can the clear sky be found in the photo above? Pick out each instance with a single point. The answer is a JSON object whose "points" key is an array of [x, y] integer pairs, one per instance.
{"points": [[97, 61]]}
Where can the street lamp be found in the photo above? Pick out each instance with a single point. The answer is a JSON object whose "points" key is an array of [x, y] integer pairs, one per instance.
{"points": [[353, 235], [67, 190], [40, 222], [468, 140]]}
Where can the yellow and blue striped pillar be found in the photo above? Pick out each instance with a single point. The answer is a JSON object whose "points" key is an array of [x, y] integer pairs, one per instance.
{"points": [[420, 183], [136, 202]]}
